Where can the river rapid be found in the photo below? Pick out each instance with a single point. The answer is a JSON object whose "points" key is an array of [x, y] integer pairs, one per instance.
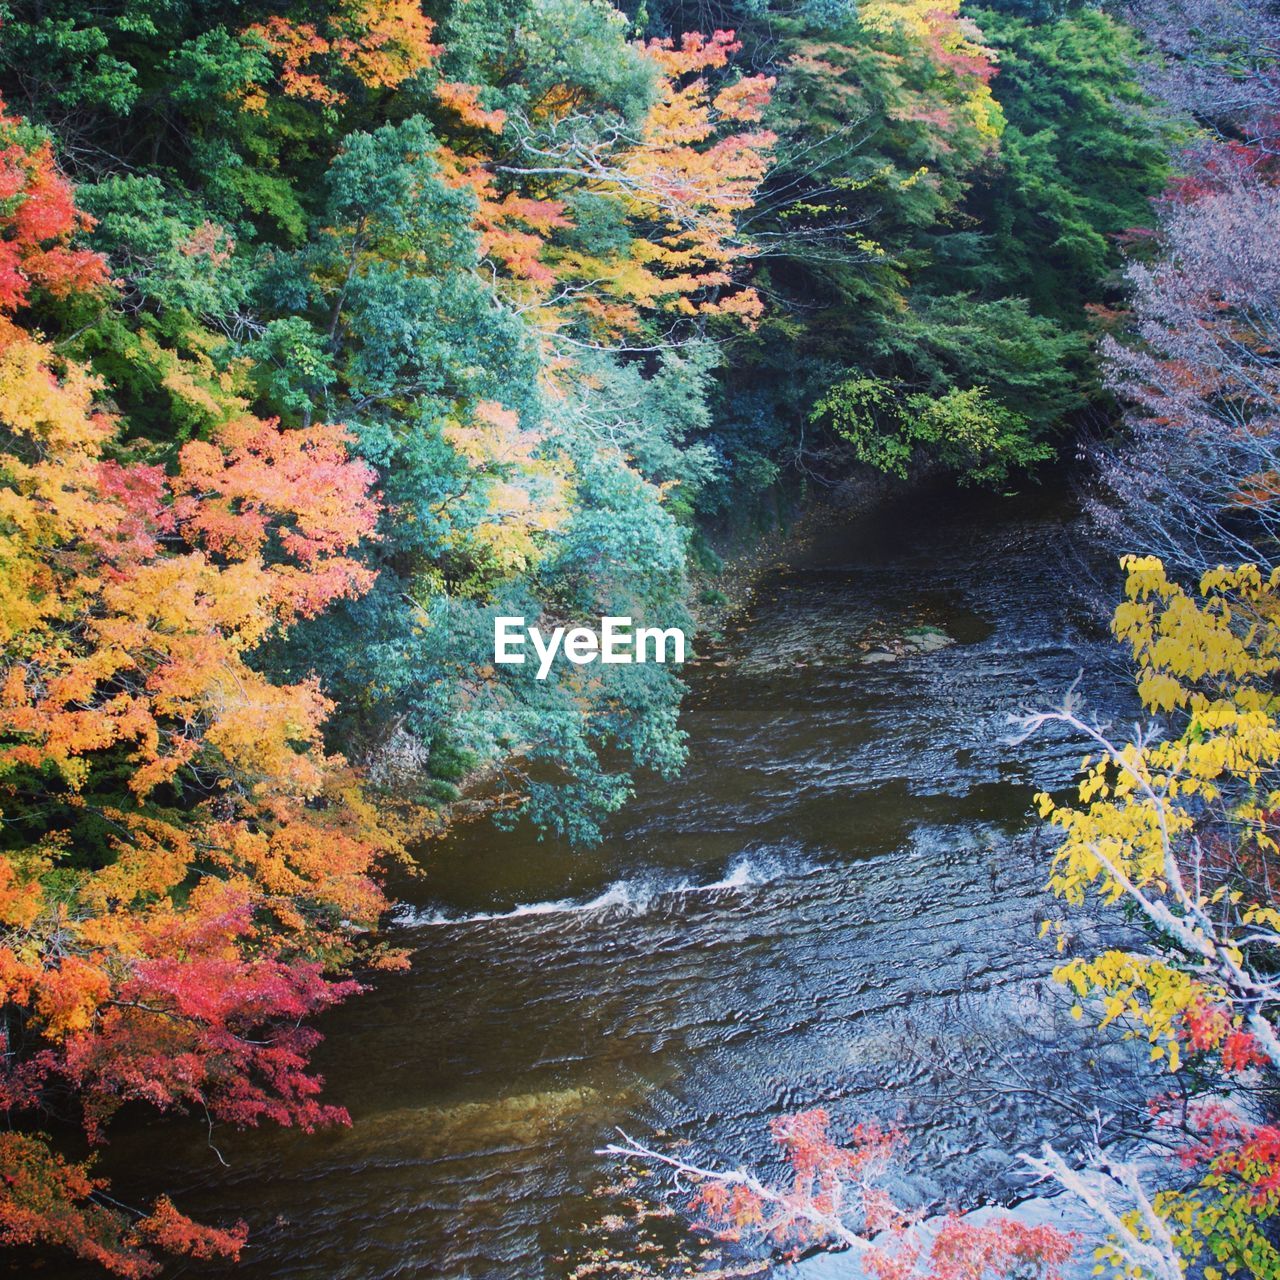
{"points": [[836, 904]]}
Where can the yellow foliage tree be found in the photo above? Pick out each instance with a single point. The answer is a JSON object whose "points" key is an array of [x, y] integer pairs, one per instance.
{"points": [[1175, 824], [1181, 823]]}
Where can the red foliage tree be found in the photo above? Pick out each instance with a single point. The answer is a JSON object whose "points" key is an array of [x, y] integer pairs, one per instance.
{"points": [[184, 868], [834, 1198]]}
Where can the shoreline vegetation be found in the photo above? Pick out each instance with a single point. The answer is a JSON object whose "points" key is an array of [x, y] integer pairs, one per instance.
{"points": [[331, 333]]}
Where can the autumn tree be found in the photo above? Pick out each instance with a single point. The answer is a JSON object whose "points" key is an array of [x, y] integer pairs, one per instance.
{"points": [[833, 1197], [1177, 825], [1193, 479], [184, 869], [1200, 480], [515, 249]]}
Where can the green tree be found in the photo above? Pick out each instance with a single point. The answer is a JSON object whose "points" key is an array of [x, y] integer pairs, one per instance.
{"points": [[1081, 157]]}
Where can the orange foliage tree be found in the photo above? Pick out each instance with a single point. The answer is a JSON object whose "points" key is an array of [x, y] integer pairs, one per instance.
{"points": [[379, 43], [182, 866], [680, 177]]}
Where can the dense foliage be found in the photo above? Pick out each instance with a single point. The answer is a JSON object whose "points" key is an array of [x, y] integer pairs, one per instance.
{"points": [[329, 333], [182, 861]]}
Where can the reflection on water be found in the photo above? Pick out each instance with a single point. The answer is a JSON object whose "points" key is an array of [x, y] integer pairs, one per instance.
{"points": [[836, 904]]}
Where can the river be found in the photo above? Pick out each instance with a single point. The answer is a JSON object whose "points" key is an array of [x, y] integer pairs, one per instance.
{"points": [[836, 904]]}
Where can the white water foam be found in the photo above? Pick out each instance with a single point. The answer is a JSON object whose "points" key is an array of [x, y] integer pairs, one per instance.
{"points": [[624, 897]]}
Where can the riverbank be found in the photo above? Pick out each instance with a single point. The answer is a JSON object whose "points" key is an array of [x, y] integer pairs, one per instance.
{"points": [[727, 564], [743, 555]]}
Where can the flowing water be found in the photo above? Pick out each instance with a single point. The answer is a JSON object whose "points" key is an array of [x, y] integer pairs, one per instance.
{"points": [[836, 904]]}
